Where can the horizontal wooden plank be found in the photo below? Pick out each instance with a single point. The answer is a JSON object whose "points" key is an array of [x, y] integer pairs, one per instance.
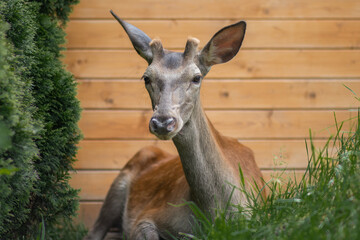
{"points": [[88, 213], [189, 9], [111, 154], [247, 64], [228, 94], [95, 184], [107, 34], [106, 124]]}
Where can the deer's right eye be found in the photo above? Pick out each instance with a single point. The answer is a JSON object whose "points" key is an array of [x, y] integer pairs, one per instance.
{"points": [[146, 80]]}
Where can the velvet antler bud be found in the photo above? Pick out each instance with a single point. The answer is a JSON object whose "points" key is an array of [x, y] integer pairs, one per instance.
{"points": [[156, 49], [191, 48]]}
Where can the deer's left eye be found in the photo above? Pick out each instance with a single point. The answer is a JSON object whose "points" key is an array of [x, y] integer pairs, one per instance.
{"points": [[196, 79]]}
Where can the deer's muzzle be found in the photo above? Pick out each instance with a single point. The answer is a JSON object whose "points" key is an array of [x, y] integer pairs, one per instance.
{"points": [[162, 126]]}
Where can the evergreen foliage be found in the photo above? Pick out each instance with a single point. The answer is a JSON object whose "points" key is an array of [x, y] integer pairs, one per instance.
{"points": [[38, 118], [16, 154]]}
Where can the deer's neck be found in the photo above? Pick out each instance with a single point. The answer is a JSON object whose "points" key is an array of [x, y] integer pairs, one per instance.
{"points": [[203, 162]]}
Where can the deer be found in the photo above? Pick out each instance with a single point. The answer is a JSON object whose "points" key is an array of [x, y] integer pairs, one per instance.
{"points": [[146, 199]]}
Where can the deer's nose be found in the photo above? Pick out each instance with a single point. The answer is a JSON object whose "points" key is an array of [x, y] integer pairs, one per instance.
{"points": [[162, 125]]}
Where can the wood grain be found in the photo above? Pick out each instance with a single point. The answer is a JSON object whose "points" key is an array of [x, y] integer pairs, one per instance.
{"points": [[247, 64], [228, 94], [114, 154], [189, 9], [108, 34], [105, 124], [95, 184]]}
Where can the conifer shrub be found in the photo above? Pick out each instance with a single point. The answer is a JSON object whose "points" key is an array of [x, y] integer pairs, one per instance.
{"points": [[38, 119], [18, 149]]}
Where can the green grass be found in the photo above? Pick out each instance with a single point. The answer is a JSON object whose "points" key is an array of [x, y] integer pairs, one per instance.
{"points": [[324, 204], [65, 230]]}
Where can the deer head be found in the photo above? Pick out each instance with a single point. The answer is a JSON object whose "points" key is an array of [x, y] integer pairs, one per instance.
{"points": [[173, 79]]}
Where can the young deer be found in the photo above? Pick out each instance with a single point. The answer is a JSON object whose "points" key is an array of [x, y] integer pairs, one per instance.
{"points": [[208, 163]]}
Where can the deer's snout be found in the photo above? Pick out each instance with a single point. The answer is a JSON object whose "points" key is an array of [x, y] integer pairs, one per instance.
{"points": [[162, 125]]}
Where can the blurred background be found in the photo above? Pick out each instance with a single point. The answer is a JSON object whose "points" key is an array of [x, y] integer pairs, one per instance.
{"points": [[288, 78]]}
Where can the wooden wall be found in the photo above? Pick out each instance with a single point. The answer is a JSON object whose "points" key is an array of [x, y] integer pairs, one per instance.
{"points": [[287, 78]]}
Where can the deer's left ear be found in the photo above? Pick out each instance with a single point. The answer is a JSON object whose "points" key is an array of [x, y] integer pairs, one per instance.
{"points": [[224, 45]]}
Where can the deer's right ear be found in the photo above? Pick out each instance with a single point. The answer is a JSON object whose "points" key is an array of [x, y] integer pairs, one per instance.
{"points": [[138, 38]]}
